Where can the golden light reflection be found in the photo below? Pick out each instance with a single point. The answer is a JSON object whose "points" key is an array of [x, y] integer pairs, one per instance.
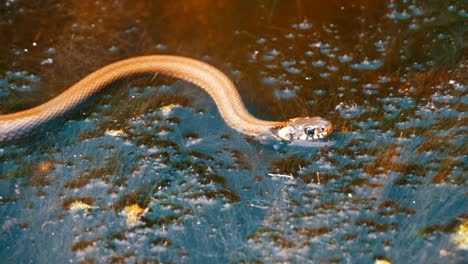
{"points": [[134, 212], [79, 205], [460, 238]]}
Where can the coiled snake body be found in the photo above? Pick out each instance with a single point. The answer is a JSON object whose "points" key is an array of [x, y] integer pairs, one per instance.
{"points": [[210, 79]]}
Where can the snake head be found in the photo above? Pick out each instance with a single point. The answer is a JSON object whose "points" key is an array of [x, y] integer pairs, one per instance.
{"points": [[305, 129]]}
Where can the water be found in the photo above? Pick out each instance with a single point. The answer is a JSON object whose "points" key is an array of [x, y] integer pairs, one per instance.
{"points": [[391, 76]]}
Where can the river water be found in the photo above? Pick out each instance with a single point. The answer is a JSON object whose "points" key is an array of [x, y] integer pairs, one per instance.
{"points": [[148, 171]]}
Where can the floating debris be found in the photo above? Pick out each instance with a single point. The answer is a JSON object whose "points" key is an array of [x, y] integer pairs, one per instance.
{"points": [[367, 65], [382, 261], [460, 238], [281, 175], [318, 63], [286, 93], [79, 205], [134, 212], [399, 15], [114, 133], [167, 109], [345, 58]]}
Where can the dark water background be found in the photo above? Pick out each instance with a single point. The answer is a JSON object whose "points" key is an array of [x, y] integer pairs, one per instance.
{"points": [[391, 75]]}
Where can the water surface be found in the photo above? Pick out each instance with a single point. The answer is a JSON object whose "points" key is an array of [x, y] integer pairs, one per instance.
{"points": [[148, 171]]}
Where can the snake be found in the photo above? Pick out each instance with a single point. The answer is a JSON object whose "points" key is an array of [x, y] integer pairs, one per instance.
{"points": [[221, 89]]}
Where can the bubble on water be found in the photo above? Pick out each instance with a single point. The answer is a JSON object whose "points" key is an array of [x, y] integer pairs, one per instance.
{"points": [[113, 49], [20, 81], [441, 36], [443, 98], [380, 45], [448, 112], [370, 92], [309, 53], [320, 92], [137, 92], [289, 36], [235, 74], [416, 10], [399, 15], [391, 111], [325, 51], [51, 50], [419, 66], [261, 41], [463, 13], [430, 63], [270, 80], [271, 55], [268, 58], [22, 75], [293, 70], [271, 66], [429, 19], [47, 61], [26, 88], [370, 86], [324, 75], [414, 26], [286, 93], [254, 54], [275, 52], [350, 111], [464, 99], [383, 79], [458, 86], [367, 65], [3, 93], [288, 63], [161, 47], [318, 63], [316, 45], [305, 25], [402, 102]]}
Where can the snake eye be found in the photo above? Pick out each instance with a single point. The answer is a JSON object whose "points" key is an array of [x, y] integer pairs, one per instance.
{"points": [[309, 131]]}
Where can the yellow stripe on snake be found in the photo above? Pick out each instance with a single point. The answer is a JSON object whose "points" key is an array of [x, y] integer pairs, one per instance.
{"points": [[210, 79]]}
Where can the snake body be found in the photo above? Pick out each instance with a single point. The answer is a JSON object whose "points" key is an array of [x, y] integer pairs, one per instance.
{"points": [[207, 77]]}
